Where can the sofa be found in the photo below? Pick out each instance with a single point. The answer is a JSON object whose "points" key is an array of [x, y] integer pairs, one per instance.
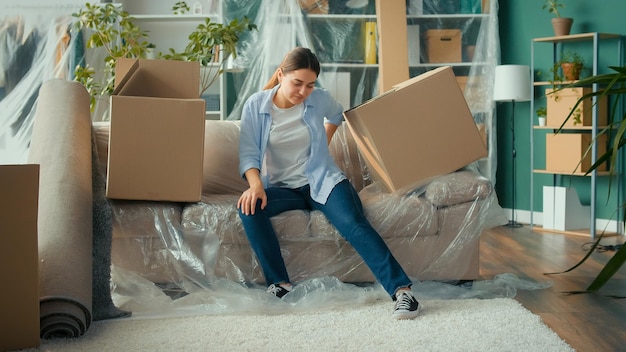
{"points": [[433, 230]]}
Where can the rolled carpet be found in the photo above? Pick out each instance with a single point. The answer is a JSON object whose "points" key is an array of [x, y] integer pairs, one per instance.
{"points": [[61, 145]]}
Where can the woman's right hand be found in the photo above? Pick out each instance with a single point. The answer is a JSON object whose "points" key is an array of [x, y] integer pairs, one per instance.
{"points": [[248, 199]]}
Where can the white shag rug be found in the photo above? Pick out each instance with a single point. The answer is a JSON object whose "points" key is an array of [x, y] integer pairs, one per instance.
{"points": [[499, 324]]}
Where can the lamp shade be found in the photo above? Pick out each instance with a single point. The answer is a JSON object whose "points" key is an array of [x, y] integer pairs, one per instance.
{"points": [[512, 83]]}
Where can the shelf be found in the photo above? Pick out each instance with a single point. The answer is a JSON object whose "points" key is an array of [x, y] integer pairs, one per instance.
{"points": [[439, 64], [572, 129], [347, 65], [340, 17], [575, 37], [559, 83], [457, 16], [174, 18], [598, 173]]}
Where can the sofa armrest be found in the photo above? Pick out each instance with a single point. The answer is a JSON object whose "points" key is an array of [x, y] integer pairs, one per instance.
{"points": [[457, 187]]}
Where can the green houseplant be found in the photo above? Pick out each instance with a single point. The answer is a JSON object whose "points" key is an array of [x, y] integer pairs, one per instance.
{"points": [[113, 29], [611, 84], [560, 25], [568, 68]]}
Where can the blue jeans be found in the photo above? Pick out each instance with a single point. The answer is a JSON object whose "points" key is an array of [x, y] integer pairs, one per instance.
{"points": [[344, 210]]}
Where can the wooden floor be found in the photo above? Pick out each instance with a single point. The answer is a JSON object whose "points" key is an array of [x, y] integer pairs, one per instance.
{"points": [[588, 322]]}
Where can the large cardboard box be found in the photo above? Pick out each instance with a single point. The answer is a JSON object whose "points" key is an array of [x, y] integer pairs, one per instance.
{"points": [[156, 139], [444, 45], [567, 152], [560, 103], [19, 257], [417, 131]]}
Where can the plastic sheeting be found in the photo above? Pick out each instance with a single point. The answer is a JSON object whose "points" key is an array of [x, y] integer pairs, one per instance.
{"points": [[183, 249], [33, 43], [340, 45]]}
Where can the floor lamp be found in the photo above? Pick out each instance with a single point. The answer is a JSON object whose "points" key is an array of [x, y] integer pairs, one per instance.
{"points": [[512, 83]]}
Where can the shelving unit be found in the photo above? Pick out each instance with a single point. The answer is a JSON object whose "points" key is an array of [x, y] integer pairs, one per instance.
{"points": [[348, 68], [477, 22], [469, 24], [558, 43]]}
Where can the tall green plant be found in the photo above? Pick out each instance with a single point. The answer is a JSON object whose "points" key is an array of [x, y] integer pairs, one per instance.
{"points": [[112, 29], [211, 44], [610, 84]]}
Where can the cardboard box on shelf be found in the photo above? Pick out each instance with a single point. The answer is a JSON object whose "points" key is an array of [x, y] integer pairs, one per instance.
{"points": [[444, 45], [419, 130], [19, 257], [567, 152], [560, 103], [156, 138]]}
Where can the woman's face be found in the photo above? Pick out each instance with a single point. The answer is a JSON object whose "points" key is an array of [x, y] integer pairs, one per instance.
{"points": [[295, 87]]}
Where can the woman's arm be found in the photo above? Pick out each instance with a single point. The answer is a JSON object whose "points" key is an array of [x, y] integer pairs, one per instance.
{"points": [[330, 131]]}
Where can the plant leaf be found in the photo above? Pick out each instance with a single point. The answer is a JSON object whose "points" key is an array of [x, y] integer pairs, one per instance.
{"points": [[613, 265]]}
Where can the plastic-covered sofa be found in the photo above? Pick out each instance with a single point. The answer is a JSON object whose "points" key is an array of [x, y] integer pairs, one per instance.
{"points": [[433, 231]]}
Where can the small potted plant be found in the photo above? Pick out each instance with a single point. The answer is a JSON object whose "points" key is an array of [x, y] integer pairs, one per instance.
{"points": [[542, 113], [561, 25], [151, 52]]}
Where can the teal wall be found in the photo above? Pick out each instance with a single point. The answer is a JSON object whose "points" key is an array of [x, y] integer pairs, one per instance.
{"points": [[520, 22]]}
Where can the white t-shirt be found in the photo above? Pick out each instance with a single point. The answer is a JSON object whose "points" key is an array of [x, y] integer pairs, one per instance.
{"points": [[288, 148]]}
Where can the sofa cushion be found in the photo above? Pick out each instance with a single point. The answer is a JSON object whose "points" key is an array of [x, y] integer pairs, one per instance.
{"points": [[457, 187], [217, 214], [221, 158]]}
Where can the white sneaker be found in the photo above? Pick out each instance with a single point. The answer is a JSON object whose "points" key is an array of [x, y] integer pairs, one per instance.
{"points": [[407, 307]]}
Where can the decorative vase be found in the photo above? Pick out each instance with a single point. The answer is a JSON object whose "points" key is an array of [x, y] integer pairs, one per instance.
{"points": [[562, 25]]}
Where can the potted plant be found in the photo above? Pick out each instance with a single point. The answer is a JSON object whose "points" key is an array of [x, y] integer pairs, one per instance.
{"points": [[151, 52], [114, 30], [560, 25], [568, 67], [542, 113]]}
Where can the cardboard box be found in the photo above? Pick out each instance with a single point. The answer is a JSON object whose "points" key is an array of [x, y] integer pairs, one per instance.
{"points": [[19, 257], [156, 139], [567, 152], [417, 131], [444, 45], [560, 104]]}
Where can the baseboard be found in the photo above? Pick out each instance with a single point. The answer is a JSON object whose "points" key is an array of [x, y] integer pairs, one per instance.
{"points": [[523, 216]]}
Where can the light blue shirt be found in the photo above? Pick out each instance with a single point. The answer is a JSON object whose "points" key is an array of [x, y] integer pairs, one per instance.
{"points": [[319, 108]]}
